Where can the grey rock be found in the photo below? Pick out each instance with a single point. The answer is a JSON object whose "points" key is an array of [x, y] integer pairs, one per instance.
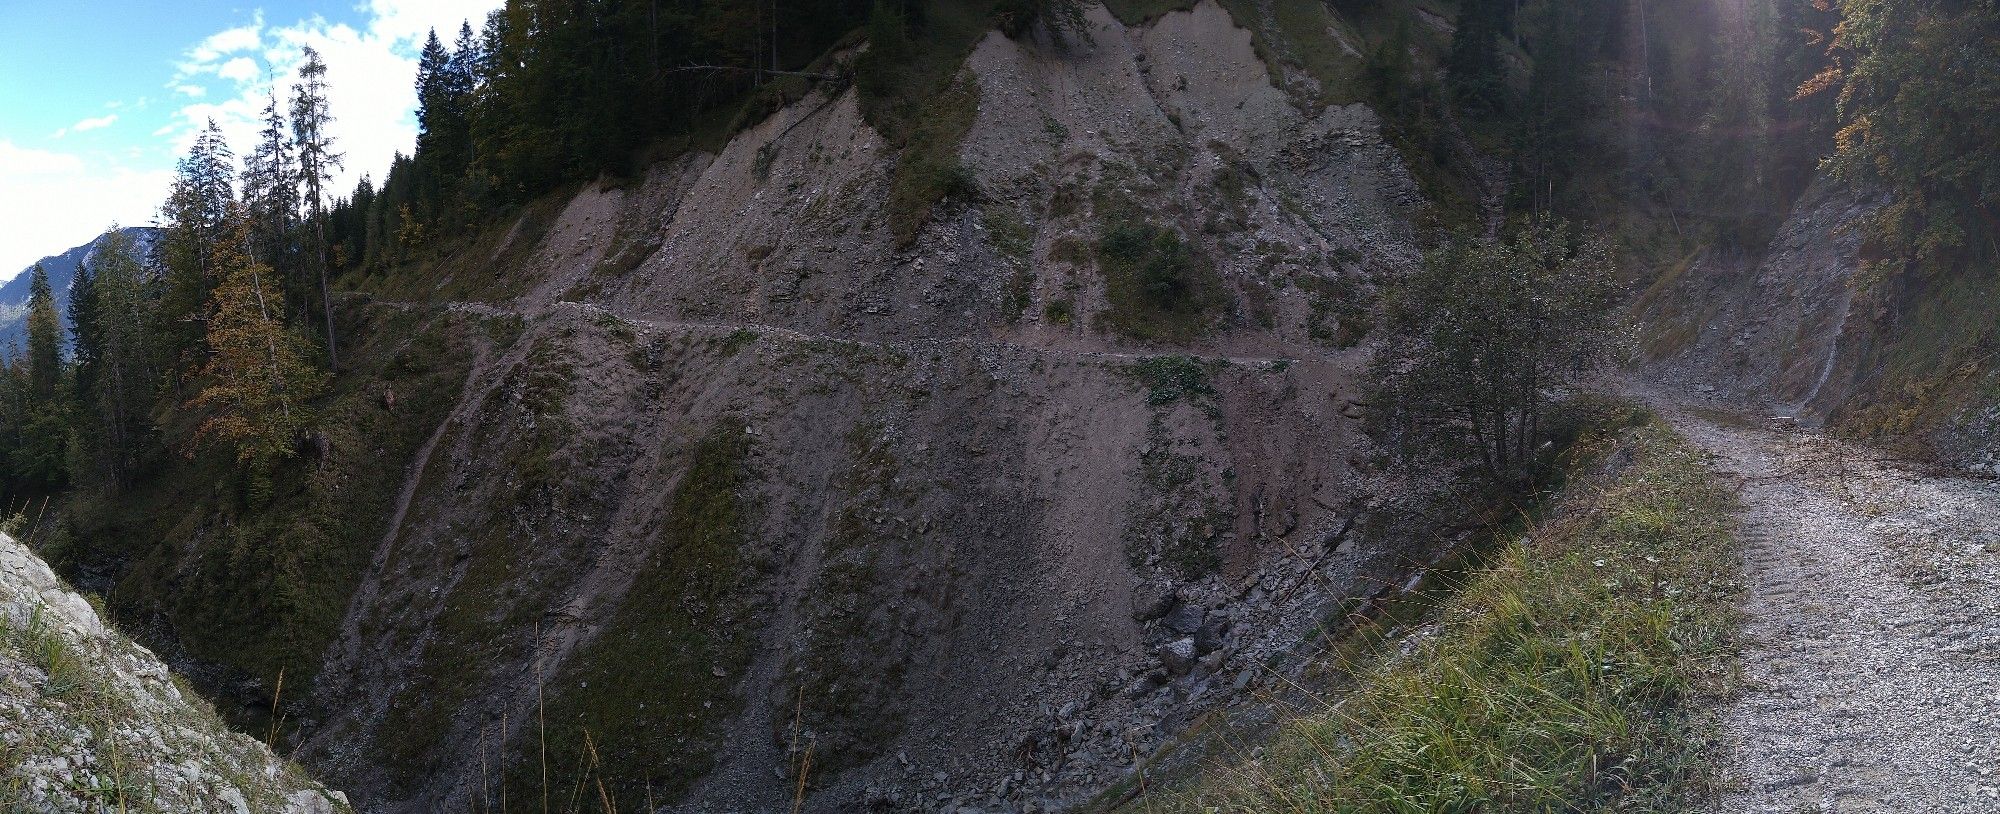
{"points": [[1178, 655], [1151, 600], [1210, 636], [1184, 620]]}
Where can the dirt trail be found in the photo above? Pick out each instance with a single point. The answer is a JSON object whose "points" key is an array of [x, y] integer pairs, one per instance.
{"points": [[983, 345], [1873, 632]]}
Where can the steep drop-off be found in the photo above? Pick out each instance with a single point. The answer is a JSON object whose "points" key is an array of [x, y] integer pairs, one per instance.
{"points": [[741, 502]]}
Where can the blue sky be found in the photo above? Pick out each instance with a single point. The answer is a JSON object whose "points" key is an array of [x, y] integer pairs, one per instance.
{"points": [[98, 100]]}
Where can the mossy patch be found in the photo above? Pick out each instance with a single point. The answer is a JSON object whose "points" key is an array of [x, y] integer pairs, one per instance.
{"points": [[1176, 520], [635, 711], [915, 91], [1157, 287], [1932, 363], [1170, 379], [1340, 312], [846, 682]]}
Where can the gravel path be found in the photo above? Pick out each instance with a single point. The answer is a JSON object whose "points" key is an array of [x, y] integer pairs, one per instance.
{"points": [[1873, 630]]}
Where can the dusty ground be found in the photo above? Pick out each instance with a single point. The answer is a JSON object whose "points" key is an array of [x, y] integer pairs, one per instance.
{"points": [[967, 520], [1873, 603]]}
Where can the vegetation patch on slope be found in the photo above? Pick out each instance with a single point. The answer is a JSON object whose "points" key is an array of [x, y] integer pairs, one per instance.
{"points": [[847, 675], [914, 90], [1938, 359], [1157, 287], [630, 734], [257, 576], [1575, 672]]}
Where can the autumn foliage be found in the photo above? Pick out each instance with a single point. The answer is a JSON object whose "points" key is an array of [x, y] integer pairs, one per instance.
{"points": [[258, 380]]}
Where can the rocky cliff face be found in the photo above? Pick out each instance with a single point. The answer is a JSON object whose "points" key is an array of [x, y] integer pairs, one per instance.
{"points": [[1800, 326], [90, 721], [742, 503]]}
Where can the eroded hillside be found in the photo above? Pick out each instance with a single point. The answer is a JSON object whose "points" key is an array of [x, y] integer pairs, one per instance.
{"points": [[1802, 324], [741, 499]]}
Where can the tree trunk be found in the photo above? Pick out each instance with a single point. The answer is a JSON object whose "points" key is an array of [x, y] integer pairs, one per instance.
{"points": [[325, 295]]}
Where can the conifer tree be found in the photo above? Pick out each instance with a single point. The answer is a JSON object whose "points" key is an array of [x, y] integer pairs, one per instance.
{"points": [[44, 337], [39, 457], [317, 161], [1477, 78], [195, 212], [111, 315], [271, 195]]}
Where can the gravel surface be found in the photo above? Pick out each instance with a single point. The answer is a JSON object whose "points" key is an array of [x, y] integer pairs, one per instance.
{"points": [[1872, 630]]}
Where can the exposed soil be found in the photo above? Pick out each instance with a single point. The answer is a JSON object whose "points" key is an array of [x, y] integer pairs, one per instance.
{"points": [[996, 552]]}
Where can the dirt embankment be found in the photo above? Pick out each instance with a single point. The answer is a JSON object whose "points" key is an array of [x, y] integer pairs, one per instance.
{"points": [[740, 492]]}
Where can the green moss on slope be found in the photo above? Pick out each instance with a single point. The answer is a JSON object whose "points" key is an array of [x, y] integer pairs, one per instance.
{"points": [[634, 712]]}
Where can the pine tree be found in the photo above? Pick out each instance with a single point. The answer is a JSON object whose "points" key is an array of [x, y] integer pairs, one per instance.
{"points": [[195, 212], [317, 161], [116, 366], [271, 195], [258, 381]]}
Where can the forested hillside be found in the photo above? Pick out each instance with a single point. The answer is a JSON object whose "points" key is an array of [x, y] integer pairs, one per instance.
{"points": [[825, 405]]}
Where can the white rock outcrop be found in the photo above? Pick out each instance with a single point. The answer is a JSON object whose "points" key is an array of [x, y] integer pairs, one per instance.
{"points": [[92, 722]]}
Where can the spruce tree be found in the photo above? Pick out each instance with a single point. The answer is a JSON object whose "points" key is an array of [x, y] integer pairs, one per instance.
{"points": [[116, 363], [39, 459], [271, 196], [317, 161], [1472, 68], [194, 212], [44, 337]]}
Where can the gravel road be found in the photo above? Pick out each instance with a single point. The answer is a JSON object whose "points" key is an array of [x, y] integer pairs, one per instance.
{"points": [[1872, 663]]}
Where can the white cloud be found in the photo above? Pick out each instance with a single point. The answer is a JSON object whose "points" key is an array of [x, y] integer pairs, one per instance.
{"points": [[228, 41], [93, 124], [371, 72], [57, 200], [241, 69]]}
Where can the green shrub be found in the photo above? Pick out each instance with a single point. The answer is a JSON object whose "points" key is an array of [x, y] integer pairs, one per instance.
{"points": [[1157, 287]]}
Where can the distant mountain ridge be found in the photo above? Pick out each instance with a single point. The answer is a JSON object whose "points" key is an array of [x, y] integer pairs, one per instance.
{"points": [[61, 269]]}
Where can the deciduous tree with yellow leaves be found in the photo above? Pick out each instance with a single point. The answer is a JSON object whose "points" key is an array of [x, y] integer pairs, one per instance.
{"points": [[258, 382]]}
